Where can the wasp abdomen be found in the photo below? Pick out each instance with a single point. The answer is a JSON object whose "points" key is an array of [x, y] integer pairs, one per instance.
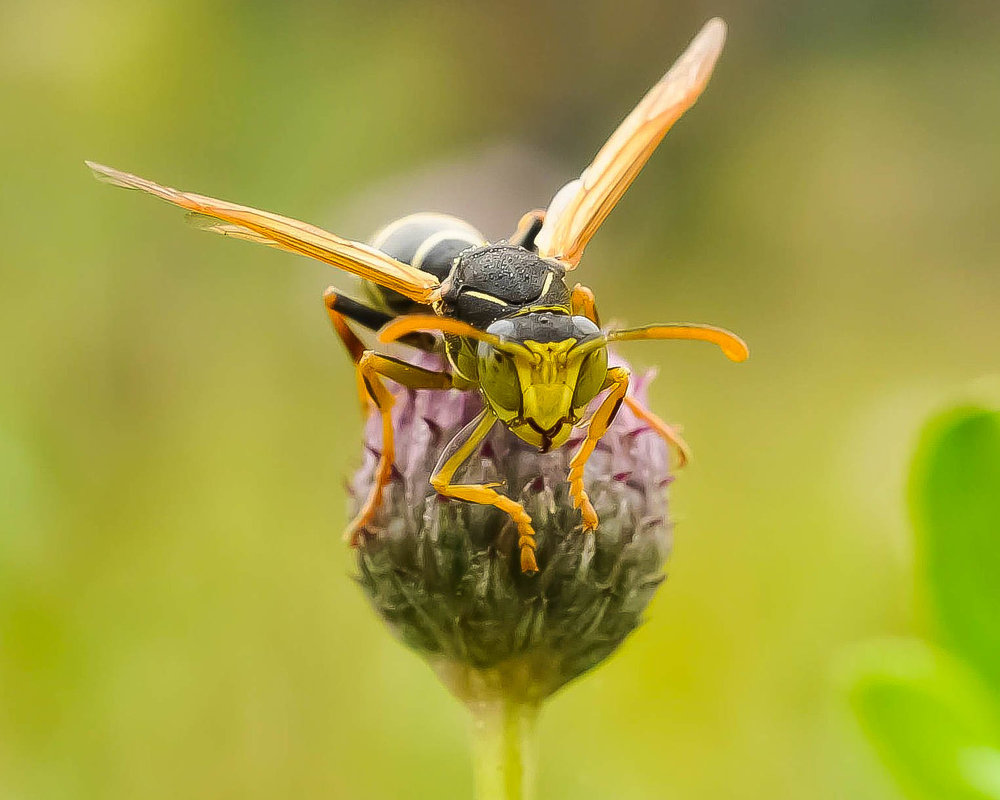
{"points": [[427, 240]]}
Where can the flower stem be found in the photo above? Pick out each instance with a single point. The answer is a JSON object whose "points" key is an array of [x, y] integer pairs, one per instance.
{"points": [[503, 749]]}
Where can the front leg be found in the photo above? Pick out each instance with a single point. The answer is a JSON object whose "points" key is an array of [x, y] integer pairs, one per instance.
{"points": [[617, 381], [372, 368], [455, 454]]}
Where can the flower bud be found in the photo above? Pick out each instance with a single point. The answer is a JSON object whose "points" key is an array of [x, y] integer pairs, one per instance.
{"points": [[445, 575]]}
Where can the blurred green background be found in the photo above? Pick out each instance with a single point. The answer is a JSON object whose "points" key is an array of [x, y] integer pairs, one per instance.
{"points": [[177, 420]]}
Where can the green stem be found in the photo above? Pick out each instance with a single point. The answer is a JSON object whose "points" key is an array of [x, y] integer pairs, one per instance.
{"points": [[503, 749]]}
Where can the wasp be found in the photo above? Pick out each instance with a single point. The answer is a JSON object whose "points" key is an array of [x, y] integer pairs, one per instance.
{"points": [[508, 322]]}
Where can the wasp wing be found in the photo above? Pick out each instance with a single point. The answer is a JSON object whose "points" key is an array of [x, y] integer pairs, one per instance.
{"points": [[243, 222], [579, 208]]}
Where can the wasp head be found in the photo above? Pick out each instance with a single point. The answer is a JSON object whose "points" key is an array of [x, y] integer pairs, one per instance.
{"points": [[543, 374]]}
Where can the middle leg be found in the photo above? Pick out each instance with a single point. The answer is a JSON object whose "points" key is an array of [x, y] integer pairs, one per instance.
{"points": [[373, 368], [584, 304]]}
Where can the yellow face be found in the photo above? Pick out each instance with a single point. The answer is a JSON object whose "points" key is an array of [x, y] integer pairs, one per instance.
{"points": [[540, 390]]}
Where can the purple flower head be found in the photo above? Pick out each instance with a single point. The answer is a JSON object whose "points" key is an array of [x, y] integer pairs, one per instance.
{"points": [[445, 574]]}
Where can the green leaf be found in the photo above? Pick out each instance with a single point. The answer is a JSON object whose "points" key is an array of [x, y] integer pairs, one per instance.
{"points": [[955, 498], [930, 718]]}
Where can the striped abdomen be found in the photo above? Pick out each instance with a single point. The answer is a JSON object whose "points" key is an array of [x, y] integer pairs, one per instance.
{"points": [[428, 241]]}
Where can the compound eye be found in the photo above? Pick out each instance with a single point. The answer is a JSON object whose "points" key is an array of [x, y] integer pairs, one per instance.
{"points": [[593, 371], [498, 377], [584, 327]]}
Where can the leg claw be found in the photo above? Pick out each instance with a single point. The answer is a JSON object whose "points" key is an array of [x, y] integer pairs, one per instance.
{"points": [[528, 564], [356, 532]]}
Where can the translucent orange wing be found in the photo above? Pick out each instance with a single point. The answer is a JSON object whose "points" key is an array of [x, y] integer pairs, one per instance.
{"points": [[243, 222], [579, 208]]}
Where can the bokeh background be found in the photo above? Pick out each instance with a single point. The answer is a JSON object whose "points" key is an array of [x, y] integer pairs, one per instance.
{"points": [[177, 617]]}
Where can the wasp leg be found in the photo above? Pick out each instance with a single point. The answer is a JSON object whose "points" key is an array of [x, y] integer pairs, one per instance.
{"points": [[527, 229], [584, 303], [617, 381], [455, 454], [341, 309], [373, 367], [667, 432], [338, 310]]}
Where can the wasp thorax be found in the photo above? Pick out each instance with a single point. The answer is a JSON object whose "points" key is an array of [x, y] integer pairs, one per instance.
{"points": [[542, 376], [500, 280]]}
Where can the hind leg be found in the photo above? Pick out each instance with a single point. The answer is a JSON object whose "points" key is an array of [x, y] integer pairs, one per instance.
{"points": [[340, 309], [668, 433]]}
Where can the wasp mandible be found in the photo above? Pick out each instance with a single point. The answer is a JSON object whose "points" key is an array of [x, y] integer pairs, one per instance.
{"points": [[511, 326]]}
